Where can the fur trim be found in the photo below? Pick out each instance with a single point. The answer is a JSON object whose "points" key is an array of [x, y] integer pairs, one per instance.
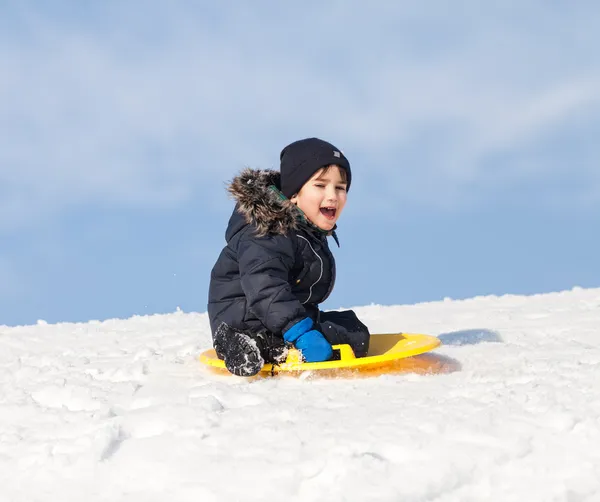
{"points": [[262, 206]]}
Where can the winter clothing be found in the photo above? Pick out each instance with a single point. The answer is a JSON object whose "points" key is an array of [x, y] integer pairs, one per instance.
{"points": [[309, 341], [276, 267], [302, 159], [246, 353], [270, 278], [344, 327]]}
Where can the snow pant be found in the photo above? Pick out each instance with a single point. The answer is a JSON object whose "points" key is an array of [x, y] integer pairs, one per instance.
{"points": [[345, 327]]}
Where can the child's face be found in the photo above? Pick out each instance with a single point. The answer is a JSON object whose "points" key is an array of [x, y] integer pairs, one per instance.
{"points": [[323, 197]]}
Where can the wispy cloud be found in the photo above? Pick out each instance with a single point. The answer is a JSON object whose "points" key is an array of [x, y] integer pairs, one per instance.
{"points": [[111, 107]]}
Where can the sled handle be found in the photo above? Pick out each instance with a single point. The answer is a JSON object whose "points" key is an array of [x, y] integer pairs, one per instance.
{"points": [[294, 356], [346, 353], [345, 350]]}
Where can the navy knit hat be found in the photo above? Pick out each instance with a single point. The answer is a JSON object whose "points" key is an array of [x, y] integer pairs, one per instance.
{"points": [[302, 159]]}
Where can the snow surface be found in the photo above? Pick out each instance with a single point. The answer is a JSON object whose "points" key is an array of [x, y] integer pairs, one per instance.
{"points": [[122, 410]]}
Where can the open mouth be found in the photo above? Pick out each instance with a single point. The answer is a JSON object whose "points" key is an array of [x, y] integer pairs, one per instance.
{"points": [[329, 212]]}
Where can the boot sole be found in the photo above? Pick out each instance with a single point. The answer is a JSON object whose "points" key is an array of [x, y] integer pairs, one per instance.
{"points": [[245, 360]]}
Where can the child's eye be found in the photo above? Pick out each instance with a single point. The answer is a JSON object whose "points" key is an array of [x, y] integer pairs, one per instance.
{"points": [[343, 189], [320, 185]]}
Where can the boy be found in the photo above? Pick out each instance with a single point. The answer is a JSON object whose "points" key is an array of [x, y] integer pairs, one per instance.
{"points": [[267, 284]]}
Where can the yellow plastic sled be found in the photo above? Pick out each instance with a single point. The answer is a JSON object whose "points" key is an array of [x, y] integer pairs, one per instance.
{"points": [[384, 351]]}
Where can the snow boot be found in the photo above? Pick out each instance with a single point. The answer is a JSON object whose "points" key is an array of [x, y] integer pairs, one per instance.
{"points": [[245, 353]]}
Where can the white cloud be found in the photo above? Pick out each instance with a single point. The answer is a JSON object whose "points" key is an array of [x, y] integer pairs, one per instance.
{"points": [[139, 109]]}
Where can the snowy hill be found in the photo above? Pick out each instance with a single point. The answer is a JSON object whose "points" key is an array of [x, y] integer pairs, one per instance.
{"points": [[121, 410]]}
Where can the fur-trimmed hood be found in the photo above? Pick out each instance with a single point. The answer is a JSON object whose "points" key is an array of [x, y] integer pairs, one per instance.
{"points": [[260, 202]]}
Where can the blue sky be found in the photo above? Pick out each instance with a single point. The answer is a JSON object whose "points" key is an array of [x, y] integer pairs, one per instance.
{"points": [[472, 130]]}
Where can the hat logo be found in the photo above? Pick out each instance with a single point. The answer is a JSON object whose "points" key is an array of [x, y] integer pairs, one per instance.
{"points": [[337, 154]]}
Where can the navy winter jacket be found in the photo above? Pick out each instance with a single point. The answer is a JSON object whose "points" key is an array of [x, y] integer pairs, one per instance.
{"points": [[276, 267]]}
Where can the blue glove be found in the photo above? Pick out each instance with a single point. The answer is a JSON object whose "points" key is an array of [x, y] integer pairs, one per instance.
{"points": [[310, 342]]}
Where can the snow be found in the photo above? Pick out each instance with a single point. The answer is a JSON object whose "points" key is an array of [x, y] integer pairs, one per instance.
{"points": [[121, 410]]}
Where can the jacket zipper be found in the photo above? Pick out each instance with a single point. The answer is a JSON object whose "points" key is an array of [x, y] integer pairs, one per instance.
{"points": [[320, 275]]}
